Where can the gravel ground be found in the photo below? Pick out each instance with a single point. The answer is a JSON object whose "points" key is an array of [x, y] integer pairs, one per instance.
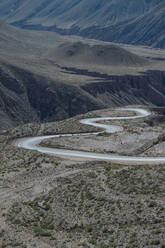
{"points": [[48, 202], [135, 134]]}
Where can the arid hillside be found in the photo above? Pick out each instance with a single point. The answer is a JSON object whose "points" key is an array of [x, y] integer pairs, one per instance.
{"points": [[126, 21], [45, 76]]}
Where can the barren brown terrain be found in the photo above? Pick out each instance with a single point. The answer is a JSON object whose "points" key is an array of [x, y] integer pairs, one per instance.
{"points": [[46, 88], [46, 77], [137, 137], [48, 201]]}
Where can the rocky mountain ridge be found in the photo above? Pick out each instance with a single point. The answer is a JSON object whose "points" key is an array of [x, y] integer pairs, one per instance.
{"points": [[128, 21]]}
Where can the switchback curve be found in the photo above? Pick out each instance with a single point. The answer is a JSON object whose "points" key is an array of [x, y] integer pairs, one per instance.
{"points": [[33, 142]]}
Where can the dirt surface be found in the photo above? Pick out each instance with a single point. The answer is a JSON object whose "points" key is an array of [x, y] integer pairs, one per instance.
{"points": [[137, 135], [50, 202]]}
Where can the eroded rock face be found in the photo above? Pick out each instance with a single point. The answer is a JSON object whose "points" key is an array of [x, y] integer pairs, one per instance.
{"points": [[26, 97], [148, 88]]}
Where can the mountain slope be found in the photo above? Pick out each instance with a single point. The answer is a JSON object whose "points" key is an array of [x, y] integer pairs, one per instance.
{"points": [[26, 95], [82, 53], [99, 19], [69, 12], [47, 77], [148, 29], [130, 21]]}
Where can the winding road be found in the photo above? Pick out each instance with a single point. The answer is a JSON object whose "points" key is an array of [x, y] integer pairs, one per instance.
{"points": [[33, 142]]}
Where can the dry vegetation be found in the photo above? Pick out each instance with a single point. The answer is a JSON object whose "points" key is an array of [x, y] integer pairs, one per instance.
{"points": [[138, 137], [109, 206], [51, 202], [48, 202]]}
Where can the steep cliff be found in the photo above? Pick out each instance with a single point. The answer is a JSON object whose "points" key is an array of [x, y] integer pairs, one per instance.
{"points": [[149, 88], [26, 97]]}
